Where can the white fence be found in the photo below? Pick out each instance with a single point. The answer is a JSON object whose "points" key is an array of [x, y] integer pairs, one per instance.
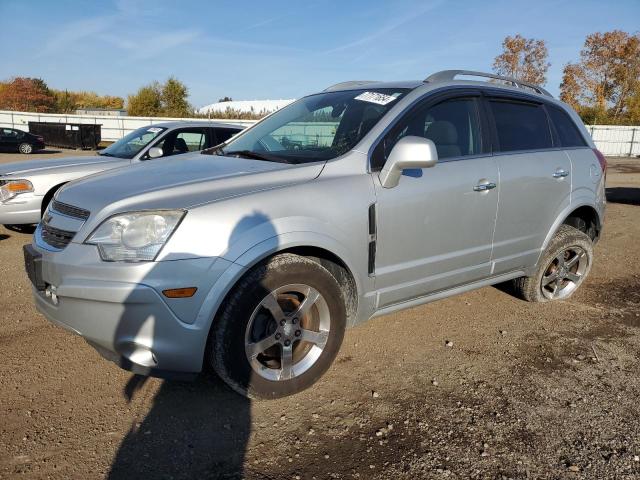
{"points": [[616, 140], [113, 128], [612, 140]]}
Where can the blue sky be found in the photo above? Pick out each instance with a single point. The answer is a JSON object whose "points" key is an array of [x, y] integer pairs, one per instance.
{"points": [[281, 49]]}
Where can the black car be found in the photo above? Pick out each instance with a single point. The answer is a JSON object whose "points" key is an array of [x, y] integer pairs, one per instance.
{"points": [[14, 140]]}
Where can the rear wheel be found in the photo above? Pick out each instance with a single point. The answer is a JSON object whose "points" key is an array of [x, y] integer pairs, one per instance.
{"points": [[25, 148], [563, 267], [280, 328]]}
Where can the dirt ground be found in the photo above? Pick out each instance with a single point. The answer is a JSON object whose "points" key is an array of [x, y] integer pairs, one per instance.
{"points": [[525, 390]]}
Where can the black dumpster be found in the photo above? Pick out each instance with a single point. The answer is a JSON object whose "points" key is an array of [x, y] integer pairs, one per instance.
{"points": [[83, 136]]}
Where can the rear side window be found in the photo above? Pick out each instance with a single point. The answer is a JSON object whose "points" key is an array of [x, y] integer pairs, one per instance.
{"points": [[520, 126], [567, 130], [224, 134]]}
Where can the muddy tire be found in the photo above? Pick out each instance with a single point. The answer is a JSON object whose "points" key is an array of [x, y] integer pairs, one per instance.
{"points": [[561, 270], [279, 329]]}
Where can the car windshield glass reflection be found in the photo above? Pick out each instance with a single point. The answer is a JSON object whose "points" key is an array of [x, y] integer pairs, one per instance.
{"points": [[315, 128], [130, 145]]}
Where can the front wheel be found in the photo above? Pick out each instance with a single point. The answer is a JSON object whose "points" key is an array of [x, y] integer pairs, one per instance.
{"points": [[562, 268], [25, 148], [280, 328]]}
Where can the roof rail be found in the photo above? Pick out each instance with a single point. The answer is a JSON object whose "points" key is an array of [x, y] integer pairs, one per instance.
{"points": [[349, 84], [448, 75]]}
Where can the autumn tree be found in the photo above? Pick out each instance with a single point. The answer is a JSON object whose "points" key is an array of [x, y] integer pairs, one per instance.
{"points": [[156, 100], [27, 95], [605, 82], [147, 102], [174, 99], [524, 59]]}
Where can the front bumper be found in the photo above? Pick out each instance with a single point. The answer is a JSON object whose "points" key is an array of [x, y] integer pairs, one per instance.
{"points": [[120, 310], [23, 209]]}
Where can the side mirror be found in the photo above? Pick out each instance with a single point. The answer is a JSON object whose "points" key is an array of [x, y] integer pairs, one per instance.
{"points": [[409, 152], [155, 152]]}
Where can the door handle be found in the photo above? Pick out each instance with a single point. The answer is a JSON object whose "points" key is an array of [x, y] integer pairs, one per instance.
{"points": [[483, 187], [560, 174]]}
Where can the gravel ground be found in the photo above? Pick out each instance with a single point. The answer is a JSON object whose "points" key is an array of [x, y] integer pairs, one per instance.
{"points": [[480, 385]]}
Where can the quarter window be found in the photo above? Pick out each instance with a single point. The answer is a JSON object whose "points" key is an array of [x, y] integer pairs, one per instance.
{"points": [[520, 126], [567, 130], [452, 125]]}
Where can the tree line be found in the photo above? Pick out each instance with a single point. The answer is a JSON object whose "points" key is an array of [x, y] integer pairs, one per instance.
{"points": [[602, 85], [25, 94]]}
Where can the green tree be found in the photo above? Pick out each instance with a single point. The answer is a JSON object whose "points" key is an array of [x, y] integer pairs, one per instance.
{"points": [[147, 102], [174, 99]]}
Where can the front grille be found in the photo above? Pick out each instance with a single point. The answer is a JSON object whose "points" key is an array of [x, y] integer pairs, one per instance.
{"points": [[55, 237], [70, 210]]}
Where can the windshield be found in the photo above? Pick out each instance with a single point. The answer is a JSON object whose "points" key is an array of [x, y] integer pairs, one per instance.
{"points": [[130, 145], [318, 127]]}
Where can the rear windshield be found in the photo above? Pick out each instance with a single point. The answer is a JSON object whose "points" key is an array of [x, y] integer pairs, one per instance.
{"points": [[318, 127]]}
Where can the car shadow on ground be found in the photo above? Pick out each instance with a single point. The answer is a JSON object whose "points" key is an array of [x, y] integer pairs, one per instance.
{"points": [[4, 237], [26, 229], [625, 195], [193, 430]]}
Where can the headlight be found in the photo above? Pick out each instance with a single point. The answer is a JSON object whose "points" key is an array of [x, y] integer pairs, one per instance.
{"points": [[135, 236], [11, 188]]}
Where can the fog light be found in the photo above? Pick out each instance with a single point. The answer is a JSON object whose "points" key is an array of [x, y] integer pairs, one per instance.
{"points": [[51, 292]]}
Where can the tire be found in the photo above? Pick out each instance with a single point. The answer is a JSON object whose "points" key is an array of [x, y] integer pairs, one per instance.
{"points": [[303, 342], [562, 268], [25, 148]]}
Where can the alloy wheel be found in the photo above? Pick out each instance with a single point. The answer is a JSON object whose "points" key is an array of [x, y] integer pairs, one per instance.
{"points": [[287, 332], [564, 273]]}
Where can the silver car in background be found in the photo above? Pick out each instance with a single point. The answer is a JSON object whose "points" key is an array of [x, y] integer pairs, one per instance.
{"points": [[27, 187], [361, 200]]}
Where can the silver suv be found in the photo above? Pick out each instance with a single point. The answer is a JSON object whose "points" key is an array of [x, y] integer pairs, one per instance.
{"points": [[364, 199], [27, 187]]}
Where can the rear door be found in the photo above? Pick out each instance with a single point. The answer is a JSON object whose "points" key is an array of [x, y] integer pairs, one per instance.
{"points": [[435, 228], [535, 180]]}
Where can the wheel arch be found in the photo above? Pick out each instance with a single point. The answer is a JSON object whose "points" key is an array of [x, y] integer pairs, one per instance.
{"points": [[574, 215], [46, 199]]}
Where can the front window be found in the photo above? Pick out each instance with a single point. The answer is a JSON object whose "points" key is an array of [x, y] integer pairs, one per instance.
{"points": [[130, 145], [315, 128]]}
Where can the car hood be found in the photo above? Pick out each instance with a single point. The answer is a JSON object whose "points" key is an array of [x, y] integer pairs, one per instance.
{"points": [[181, 182], [41, 165]]}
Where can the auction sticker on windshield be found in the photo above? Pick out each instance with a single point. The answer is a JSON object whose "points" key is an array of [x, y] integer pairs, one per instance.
{"points": [[154, 130], [374, 97]]}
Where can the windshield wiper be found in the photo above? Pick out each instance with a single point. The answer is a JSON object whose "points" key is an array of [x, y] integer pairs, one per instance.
{"points": [[255, 156], [105, 154]]}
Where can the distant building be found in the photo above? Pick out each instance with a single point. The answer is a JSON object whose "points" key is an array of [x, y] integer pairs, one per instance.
{"points": [[107, 112], [248, 106]]}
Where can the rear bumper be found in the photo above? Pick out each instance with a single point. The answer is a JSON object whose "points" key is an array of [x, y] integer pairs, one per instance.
{"points": [[21, 210]]}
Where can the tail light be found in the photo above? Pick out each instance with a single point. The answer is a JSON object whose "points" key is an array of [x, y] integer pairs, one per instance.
{"points": [[601, 159]]}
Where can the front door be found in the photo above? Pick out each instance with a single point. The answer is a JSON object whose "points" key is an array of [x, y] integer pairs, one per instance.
{"points": [[435, 228]]}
